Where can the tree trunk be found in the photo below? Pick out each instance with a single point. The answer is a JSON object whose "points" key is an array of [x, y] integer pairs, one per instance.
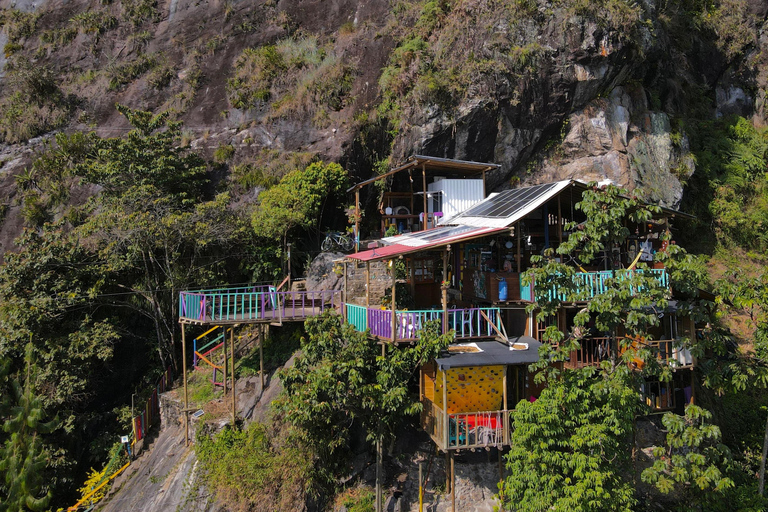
{"points": [[761, 482]]}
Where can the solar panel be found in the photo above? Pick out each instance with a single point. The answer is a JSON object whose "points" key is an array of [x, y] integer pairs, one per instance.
{"points": [[436, 234], [507, 203]]}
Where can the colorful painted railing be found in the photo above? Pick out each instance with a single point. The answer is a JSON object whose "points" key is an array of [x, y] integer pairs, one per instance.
{"points": [[591, 284], [238, 305], [465, 430], [150, 414], [671, 350], [357, 316], [203, 349], [466, 323]]}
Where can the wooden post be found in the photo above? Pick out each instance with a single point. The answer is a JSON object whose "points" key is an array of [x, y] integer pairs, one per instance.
{"points": [[226, 363], [357, 220], [484, 187], [447, 470], [234, 382], [184, 376], [501, 468], [367, 284], [394, 301], [519, 256], [424, 188], [261, 355], [444, 289], [506, 416], [453, 483], [446, 429], [421, 490], [344, 299], [559, 221]]}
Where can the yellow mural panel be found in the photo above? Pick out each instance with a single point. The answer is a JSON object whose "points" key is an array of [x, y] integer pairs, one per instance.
{"points": [[471, 389]]}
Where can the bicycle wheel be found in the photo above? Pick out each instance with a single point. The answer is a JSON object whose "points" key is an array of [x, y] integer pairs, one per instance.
{"points": [[327, 244], [346, 243]]}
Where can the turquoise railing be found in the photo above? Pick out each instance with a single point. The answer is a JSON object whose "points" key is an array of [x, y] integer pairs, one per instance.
{"points": [[235, 305], [591, 284], [357, 316]]}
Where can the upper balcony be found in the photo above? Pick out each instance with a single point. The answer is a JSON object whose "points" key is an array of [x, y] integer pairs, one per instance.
{"points": [[588, 285]]}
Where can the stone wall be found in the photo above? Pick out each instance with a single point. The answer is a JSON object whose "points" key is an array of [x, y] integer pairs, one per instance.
{"points": [[380, 282]]}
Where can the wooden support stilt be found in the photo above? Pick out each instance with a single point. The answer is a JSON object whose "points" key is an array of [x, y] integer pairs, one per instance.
{"points": [[444, 288], [357, 221], [453, 482], [226, 361], [184, 377], [261, 355], [234, 382], [394, 301], [448, 471], [344, 295], [424, 189], [367, 284]]}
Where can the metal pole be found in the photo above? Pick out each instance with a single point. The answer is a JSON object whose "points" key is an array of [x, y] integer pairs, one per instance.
{"points": [[184, 373], [444, 288], [344, 301], [421, 490]]}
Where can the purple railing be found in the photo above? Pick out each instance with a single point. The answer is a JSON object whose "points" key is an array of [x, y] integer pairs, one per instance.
{"points": [[467, 323]]}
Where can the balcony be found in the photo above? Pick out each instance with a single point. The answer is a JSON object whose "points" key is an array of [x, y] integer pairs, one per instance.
{"points": [[593, 350], [468, 324], [591, 284], [253, 305], [465, 430]]}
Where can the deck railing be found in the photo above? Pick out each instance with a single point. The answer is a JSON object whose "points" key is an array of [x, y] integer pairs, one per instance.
{"points": [[596, 349], [464, 430], [670, 350], [469, 323], [244, 305], [591, 284], [591, 352]]}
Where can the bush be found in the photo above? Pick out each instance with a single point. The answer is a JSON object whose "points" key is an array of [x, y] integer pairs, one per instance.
{"points": [[256, 469]]}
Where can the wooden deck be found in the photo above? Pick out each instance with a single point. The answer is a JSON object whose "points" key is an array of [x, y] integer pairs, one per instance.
{"points": [[254, 306], [467, 324], [465, 430]]}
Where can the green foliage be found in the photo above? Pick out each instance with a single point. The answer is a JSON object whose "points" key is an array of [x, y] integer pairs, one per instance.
{"points": [[124, 74], [296, 75], [137, 12], [223, 153], [299, 200], [569, 447], [342, 377], [18, 24], [729, 188], [22, 455], [691, 458], [94, 22], [357, 499], [257, 468], [32, 102]]}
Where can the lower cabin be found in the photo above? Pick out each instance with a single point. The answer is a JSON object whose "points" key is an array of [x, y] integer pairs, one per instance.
{"points": [[468, 392]]}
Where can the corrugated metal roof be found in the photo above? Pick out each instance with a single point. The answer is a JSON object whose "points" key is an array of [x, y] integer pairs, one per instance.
{"points": [[442, 236]]}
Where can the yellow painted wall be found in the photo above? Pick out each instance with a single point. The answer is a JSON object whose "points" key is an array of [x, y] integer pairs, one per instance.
{"points": [[471, 389]]}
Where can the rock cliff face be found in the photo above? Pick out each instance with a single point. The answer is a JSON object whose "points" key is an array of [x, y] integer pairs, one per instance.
{"points": [[546, 89]]}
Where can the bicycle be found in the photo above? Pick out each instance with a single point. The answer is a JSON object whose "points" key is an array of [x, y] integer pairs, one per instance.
{"points": [[337, 240]]}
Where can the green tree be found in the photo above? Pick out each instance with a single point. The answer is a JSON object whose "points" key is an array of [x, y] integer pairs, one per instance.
{"points": [[342, 377], [691, 456], [23, 458], [570, 447], [299, 200]]}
